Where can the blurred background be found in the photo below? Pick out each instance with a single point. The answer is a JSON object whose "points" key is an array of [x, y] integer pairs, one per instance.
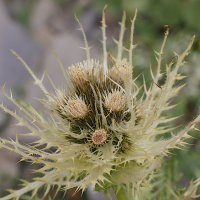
{"points": [[31, 27]]}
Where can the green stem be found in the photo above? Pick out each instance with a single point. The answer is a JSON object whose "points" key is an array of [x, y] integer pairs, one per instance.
{"points": [[122, 194]]}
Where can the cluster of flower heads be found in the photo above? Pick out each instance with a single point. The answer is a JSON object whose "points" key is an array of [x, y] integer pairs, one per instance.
{"points": [[95, 103], [104, 134]]}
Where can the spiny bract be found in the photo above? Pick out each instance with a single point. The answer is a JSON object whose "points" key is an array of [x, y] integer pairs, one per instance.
{"points": [[103, 133]]}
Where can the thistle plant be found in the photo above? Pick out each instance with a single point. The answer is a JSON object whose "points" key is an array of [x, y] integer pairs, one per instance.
{"points": [[103, 131]]}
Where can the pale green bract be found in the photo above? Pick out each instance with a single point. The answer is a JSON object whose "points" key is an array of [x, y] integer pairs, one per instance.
{"points": [[103, 133]]}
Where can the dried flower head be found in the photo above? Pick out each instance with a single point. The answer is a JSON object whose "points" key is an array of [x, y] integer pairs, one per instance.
{"points": [[121, 70], [76, 108], [99, 137], [115, 101], [104, 140], [78, 74]]}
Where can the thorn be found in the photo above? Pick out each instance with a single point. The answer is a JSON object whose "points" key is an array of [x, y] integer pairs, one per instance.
{"points": [[156, 52], [111, 58], [158, 85], [176, 56], [196, 129], [115, 41]]}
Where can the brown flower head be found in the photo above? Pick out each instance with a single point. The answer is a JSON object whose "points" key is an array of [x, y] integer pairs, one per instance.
{"points": [[99, 137], [115, 101]]}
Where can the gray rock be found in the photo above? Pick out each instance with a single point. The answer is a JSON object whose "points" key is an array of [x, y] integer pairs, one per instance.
{"points": [[12, 71], [13, 36]]}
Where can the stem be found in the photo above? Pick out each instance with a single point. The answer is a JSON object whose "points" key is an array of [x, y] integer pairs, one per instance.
{"points": [[105, 65], [122, 194]]}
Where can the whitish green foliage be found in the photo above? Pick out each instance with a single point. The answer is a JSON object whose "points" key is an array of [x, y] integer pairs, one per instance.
{"points": [[104, 134], [162, 183]]}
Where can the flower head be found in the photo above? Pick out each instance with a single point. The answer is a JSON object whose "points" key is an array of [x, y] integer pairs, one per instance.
{"points": [[76, 108], [104, 134], [78, 74], [121, 70], [115, 101], [99, 137]]}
